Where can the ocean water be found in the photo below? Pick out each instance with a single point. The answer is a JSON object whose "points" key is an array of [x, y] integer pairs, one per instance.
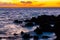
{"points": [[8, 15]]}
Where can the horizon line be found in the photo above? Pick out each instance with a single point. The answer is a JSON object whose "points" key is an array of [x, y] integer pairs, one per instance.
{"points": [[29, 7]]}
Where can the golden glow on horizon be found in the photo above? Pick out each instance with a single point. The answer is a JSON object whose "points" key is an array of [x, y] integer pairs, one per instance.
{"points": [[14, 1], [34, 3], [9, 1]]}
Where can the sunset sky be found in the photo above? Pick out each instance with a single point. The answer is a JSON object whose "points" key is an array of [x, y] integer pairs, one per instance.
{"points": [[29, 3]]}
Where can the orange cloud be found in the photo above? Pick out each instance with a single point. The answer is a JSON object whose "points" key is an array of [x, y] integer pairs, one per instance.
{"points": [[31, 4], [8, 5]]}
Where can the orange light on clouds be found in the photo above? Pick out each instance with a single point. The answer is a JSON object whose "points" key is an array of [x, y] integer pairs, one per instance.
{"points": [[29, 3]]}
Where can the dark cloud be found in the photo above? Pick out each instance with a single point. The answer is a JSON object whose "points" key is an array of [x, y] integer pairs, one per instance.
{"points": [[26, 2]]}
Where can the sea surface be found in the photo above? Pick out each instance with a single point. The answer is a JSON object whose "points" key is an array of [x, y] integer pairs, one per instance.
{"points": [[8, 15]]}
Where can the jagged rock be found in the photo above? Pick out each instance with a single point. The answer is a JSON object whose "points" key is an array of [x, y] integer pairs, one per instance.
{"points": [[25, 36], [36, 37], [58, 18], [17, 22], [38, 31], [42, 19], [33, 19], [29, 24], [46, 27], [52, 19], [15, 34], [22, 33]]}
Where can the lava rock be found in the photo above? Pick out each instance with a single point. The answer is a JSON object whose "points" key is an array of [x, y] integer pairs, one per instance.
{"points": [[15, 34], [36, 37], [17, 22], [22, 33], [29, 24], [38, 31], [25, 36], [43, 19], [33, 19], [52, 19], [58, 18]]}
